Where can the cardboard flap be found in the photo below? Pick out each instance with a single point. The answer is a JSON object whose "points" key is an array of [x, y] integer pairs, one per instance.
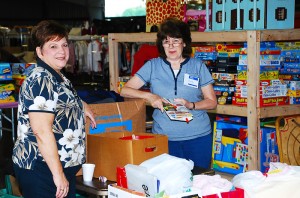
{"points": [[119, 116]]}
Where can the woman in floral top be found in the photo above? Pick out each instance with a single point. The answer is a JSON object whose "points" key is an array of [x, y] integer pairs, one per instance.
{"points": [[50, 148]]}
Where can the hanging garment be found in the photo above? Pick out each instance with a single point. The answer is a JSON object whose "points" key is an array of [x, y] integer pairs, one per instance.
{"points": [[145, 53], [70, 67], [94, 56]]}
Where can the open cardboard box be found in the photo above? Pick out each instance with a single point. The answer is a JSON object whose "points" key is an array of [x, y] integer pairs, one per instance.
{"points": [[107, 150], [116, 149]]}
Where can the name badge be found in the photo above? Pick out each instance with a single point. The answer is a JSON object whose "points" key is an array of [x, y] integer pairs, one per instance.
{"points": [[191, 81]]}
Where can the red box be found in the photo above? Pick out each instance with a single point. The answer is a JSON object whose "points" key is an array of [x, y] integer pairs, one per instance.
{"points": [[263, 102]]}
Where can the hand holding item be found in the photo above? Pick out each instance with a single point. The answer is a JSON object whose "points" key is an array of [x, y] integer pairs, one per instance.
{"points": [[156, 102], [184, 102]]}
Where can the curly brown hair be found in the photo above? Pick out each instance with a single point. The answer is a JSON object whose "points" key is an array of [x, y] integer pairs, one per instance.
{"points": [[175, 28]]}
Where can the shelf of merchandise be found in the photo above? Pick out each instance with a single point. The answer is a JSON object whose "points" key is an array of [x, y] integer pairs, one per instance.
{"points": [[253, 112]]}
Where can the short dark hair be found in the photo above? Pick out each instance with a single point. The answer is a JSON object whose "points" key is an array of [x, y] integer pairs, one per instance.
{"points": [[47, 30], [174, 28]]}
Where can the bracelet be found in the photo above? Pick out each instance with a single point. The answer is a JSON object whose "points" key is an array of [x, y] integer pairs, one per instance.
{"points": [[193, 106]]}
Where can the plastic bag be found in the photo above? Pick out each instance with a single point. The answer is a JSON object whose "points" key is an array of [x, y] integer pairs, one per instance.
{"points": [[175, 174], [140, 180], [281, 180]]}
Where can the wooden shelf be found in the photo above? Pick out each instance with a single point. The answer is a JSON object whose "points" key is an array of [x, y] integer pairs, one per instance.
{"points": [[132, 37], [230, 110], [284, 110], [233, 36], [280, 35], [264, 112]]}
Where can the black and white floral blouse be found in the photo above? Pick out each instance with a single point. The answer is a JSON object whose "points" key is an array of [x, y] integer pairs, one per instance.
{"points": [[44, 90]]}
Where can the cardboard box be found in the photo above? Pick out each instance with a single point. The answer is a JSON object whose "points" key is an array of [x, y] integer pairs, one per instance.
{"points": [[114, 121], [116, 149], [119, 192], [115, 191], [119, 116]]}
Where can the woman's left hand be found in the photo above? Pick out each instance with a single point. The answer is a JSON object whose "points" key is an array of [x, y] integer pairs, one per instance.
{"points": [[89, 113], [184, 102]]}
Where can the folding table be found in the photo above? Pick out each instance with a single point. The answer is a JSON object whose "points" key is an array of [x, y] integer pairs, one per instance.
{"points": [[10, 119]]}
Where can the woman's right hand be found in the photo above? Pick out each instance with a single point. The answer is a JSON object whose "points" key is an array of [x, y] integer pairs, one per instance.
{"points": [[156, 101], [62, 185]]}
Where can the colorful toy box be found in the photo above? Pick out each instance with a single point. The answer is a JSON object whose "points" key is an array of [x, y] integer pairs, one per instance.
{"points": [[294, 100], [224, 79], [230, 150], [280, 14], [206, 55], [293, 93], [224, 76], [224, 90], [7, 87], [218, 15], [237, 15], [204, 48], [22, 68], [232, 119], [252, 15], [264, 75], [292, 71], [263, 102], [224, 94], [285, 77], [264, 59], [268, 148], [7, 97], [290, 56], [5, 72]]}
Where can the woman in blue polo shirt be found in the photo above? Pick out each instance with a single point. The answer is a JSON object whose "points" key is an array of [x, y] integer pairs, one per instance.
{"points": [[175, 75], [50, 148]]}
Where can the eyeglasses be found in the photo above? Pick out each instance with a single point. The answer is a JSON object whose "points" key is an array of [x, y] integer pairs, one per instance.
{"points": [[176, 42]]}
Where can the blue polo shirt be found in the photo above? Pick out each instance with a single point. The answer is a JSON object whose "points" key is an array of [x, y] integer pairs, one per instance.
{"points": [[44, 90], [163, 82]]}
